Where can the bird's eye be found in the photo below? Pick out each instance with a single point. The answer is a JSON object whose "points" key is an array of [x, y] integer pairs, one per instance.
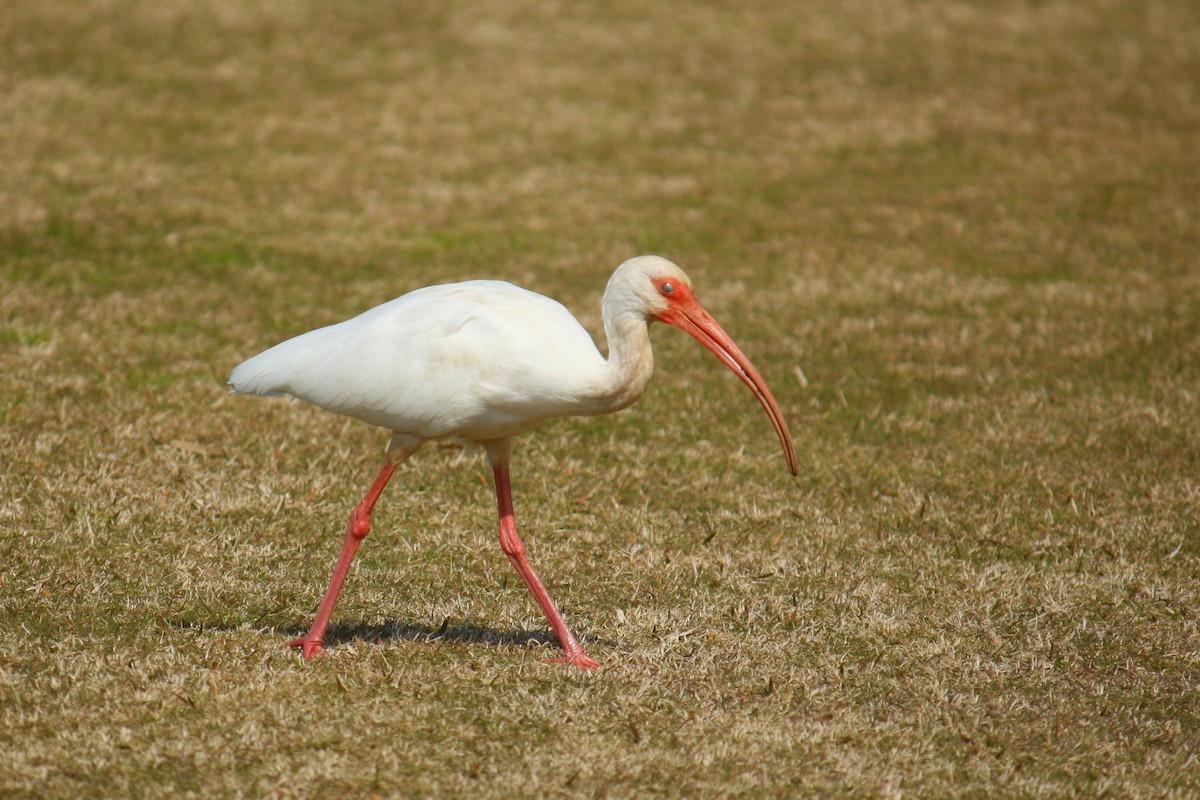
{"points": [[667, 287]]}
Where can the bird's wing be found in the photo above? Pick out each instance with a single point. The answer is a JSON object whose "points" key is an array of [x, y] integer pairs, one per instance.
{"points": [[480, 359]]}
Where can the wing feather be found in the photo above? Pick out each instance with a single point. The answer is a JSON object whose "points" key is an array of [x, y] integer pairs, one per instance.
{"points": [[480, 359]]}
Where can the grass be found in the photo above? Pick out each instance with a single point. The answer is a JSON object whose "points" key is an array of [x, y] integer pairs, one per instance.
{"points": [[960, 240]]}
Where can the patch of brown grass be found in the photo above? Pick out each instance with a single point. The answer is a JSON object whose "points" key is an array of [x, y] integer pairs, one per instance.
{"points": [[971, 228]]}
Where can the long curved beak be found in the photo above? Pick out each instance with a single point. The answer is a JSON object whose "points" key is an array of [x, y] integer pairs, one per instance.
{"points": [[692, 317]]}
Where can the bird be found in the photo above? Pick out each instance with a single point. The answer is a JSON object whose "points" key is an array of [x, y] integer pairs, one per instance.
{"points": [[484, 361]]}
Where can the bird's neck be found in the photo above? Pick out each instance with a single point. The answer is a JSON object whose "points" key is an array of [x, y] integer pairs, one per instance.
{"points": [[630, 359]]}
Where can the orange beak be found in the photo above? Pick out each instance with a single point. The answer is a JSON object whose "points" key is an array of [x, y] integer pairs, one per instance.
{"points": [[684, 311]]}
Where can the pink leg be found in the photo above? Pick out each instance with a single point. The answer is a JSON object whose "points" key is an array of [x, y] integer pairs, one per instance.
{"points": [[515, 550], [356, 531]]}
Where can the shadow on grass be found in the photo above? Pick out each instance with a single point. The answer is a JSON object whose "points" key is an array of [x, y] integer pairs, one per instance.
{"points": [[416, 631], [392, 631], [463, 632]]}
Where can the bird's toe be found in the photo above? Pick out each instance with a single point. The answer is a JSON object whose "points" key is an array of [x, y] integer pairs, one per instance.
{"points": [[580, 660], [308, 647]]}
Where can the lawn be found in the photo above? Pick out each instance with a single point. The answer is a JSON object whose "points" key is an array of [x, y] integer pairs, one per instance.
{"points": [[961, 241]]}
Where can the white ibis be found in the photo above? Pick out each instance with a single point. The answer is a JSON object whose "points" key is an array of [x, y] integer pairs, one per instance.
{"points": [[484, 361]]}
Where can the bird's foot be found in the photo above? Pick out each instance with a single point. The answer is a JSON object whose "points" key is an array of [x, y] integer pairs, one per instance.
{"points": [[580, 660], [309, 647]]}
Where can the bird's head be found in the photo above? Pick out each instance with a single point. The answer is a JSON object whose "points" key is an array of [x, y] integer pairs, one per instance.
{"points": [[648, 285], [660, 290]]}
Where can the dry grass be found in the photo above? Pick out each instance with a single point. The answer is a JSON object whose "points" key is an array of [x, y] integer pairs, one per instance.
{"points": [[972, 226]]}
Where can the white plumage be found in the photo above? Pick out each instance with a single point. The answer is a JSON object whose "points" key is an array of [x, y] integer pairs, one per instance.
{"points": [[475, 360], [485, 361]]}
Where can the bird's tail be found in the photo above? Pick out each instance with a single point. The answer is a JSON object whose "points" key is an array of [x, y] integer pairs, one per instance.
{"points": [[253, 376]]}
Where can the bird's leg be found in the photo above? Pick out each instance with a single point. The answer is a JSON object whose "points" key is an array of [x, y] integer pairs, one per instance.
{"points": [[356, 531], [515, 550]]}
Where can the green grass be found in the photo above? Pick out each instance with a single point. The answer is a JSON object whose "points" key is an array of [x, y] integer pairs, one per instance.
{"points": [[972, 228]]}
